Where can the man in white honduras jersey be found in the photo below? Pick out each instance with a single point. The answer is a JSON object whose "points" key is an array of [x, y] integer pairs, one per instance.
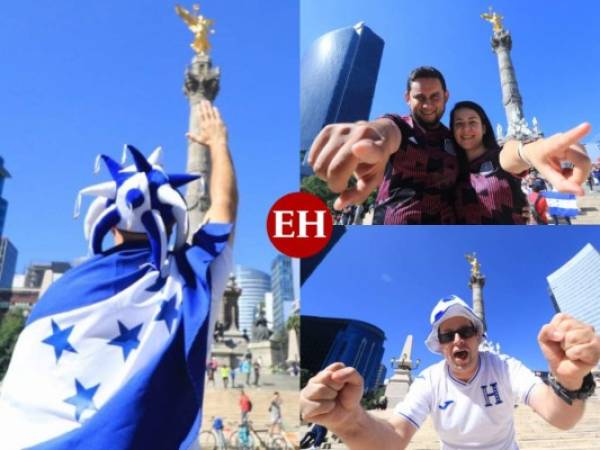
{"points": [[470, 395]]}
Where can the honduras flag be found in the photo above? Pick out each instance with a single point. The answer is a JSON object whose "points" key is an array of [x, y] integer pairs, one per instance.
{"points": [[560, 204], [113, 356]]}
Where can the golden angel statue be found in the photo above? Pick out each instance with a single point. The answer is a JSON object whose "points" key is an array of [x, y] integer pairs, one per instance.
{"points": [[493, 18], [199, 25], [475, 266]]}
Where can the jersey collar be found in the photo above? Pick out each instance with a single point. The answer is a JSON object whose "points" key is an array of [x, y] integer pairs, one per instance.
{"points": [[465, 383]]}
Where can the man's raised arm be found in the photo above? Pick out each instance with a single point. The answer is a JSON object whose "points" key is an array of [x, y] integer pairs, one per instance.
{"points": [[223, 186], [361, 149], [572, 350], [332, 399], [546, 156]]}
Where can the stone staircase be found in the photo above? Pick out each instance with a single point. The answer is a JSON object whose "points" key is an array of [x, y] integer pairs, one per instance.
{"points": [[225, 403]]}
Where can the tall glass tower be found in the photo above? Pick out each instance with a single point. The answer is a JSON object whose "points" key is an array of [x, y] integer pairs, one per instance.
{"points": [[282, 286], [3, 203], [8, 262], [575, 286], [254, 284]]}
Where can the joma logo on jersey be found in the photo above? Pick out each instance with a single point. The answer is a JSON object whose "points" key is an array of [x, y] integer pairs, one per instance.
{"points": [[445, 405], [491, 393]]}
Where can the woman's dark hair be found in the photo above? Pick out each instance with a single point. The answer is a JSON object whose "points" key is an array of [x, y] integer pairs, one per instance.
{"points": [[489, 139]]}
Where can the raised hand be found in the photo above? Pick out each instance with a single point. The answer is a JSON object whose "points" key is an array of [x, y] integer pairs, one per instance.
{"points": [[547, 154], [332, 397], [212, 128], [361, 149], [571, 347]]}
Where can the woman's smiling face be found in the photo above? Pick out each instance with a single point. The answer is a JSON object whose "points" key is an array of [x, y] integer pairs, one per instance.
{"points": [[468, 129]]}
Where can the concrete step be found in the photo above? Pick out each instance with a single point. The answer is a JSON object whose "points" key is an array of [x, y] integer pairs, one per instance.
{"points": [[225, 403]]}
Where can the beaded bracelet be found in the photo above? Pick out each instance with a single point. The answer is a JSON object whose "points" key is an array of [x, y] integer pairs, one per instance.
{"points": [[521, 156]]}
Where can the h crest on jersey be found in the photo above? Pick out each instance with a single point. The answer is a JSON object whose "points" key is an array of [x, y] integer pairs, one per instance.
{"points": [[490, 393]]}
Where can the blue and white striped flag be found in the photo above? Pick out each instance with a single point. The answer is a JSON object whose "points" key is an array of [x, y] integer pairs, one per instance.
{"points": [[560, 204], [113, 357]]}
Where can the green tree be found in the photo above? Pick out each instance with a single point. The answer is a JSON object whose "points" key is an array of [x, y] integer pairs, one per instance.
{"points": [[11, 325], [293, 322], [373, 399], [314, 185], [318, 187]]}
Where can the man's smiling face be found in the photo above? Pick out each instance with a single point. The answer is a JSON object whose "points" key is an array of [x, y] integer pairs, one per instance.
{"points": [[427, 101]]}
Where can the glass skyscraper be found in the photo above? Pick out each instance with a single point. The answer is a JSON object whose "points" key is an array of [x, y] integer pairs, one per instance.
{"points": [[3, 203], [254, 284], [575, 287], [8, 262], [282, 286]]}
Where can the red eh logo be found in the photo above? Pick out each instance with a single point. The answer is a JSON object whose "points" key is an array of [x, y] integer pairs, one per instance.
{"points": [[299, 224]]}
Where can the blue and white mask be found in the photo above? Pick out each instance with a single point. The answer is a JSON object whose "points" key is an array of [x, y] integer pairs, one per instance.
{"points": [[142, 198]]}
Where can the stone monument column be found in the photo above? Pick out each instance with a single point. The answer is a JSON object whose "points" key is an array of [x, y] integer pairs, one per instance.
{"points": [[476, 283], [201, 83], [399, 383], [511, 97]]}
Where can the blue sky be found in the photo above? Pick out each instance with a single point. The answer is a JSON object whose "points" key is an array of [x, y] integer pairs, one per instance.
{"points": [[393, 276], [555, 52], [83, 78]]}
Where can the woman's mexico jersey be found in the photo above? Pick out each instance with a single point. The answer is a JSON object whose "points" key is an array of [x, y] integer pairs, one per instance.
{"points": [[473, 415]]}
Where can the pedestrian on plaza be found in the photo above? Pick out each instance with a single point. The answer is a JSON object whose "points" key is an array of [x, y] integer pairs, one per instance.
{"points": [[232, 375], [225, 371], [210, 373], [256, 366], [596, 174], [538, 204], [246, 369], [245, 406], [275, 412], [212, 369], [218, 427], [470, 394]]}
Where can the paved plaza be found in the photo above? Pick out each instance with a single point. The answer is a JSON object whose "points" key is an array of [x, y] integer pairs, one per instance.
{"points": [[589, 207], [224, 403]]}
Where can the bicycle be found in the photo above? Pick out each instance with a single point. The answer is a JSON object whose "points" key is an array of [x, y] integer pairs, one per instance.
{"points": [[209, 440], [248, 438]]}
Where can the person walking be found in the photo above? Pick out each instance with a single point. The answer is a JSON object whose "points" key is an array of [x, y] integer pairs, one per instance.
{"points": [[225, 371]]}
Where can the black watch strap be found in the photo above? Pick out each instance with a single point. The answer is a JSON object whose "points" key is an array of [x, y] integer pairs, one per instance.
{"points": [[587, 389]]}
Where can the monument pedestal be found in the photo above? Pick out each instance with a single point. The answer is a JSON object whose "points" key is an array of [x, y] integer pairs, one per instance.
{"points": [[269, 352], [397, 387], [293, 353], [399, 383], [231, 349]]}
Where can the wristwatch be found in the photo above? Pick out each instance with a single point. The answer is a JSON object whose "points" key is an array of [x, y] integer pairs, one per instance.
{"points": [[585, 391]]}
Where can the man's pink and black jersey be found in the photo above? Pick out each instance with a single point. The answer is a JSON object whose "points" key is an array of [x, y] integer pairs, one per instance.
{"points": [[419, 181], [489, 195]]}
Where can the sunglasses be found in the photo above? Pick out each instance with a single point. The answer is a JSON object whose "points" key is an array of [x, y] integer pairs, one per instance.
{"points": [[464, 332]]}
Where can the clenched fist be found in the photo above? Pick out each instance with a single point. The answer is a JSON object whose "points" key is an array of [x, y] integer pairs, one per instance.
{"points": [[332, 397], [572, 349]]}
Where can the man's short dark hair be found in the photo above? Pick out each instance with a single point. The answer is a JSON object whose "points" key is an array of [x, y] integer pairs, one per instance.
{"points": [[425, 72]]}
